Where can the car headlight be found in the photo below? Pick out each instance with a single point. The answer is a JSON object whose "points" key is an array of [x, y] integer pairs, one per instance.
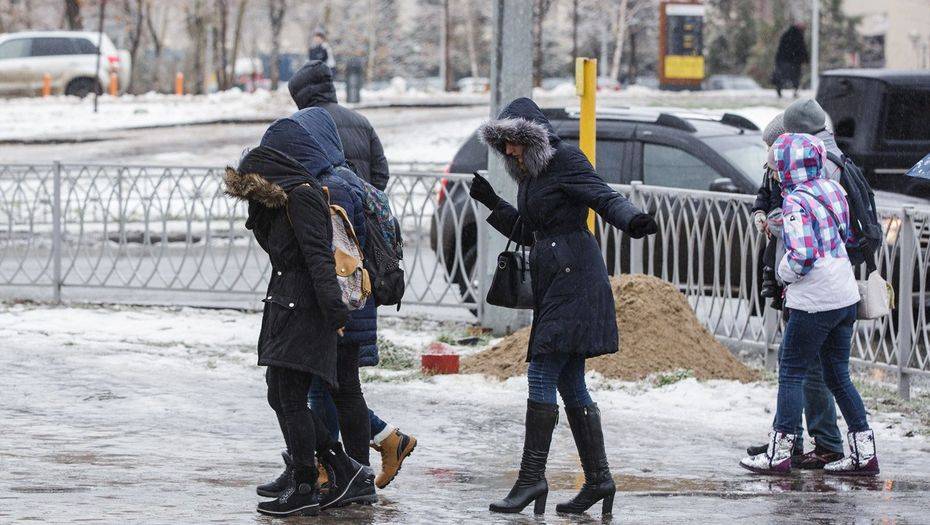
{"points": [[891, 226]]}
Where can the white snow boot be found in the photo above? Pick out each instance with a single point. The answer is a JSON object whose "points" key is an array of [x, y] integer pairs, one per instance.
{"points": [[861, 461], [777, 457]]}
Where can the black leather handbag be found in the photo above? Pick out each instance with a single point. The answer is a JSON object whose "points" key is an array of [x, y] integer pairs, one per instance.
{"points": [[512, 286]]}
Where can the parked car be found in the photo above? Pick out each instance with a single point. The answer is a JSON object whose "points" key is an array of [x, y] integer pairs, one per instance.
{"points": [[69, 57], [880, 117], [671, 148], [734, 82], [473, 85]]}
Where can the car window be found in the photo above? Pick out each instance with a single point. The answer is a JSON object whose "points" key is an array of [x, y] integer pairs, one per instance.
{"points": [[18, 48], [906, 116], [674, 168], [609, 159], [44, 47], [746, 153], [83, 46]]}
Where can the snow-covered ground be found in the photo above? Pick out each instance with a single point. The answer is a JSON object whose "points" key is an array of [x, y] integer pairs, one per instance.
{"points": [[154, 415]]}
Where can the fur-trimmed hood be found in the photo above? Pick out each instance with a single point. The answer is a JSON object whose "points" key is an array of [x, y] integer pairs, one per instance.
{"points": [[522, 122], [266, 175]]}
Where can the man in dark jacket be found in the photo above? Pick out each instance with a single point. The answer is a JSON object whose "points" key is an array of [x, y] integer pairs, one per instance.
{"points": [[321, 51], [312, 86], [792, 52]]}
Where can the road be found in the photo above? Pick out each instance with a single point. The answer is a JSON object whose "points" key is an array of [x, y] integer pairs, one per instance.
{"points": [[414, 134]]}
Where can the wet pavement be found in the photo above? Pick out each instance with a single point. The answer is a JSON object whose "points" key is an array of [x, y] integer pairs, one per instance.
{"points": [[145, 426]]}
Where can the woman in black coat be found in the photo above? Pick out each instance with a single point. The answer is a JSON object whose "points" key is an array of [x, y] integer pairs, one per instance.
{"points": [[290, 218], [573, 314]]}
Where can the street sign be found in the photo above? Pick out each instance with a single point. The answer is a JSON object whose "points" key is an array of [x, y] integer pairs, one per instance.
{"points": [[681, 45]]}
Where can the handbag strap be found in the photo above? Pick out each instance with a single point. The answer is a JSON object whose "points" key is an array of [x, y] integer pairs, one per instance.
{"points": [[513, 233]]}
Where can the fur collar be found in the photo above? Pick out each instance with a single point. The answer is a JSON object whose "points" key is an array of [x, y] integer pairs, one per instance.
{"points": [[252, 186], [532, 135]]}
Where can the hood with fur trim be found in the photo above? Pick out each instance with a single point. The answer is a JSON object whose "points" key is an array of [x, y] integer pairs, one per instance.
{"points": [[265, 176], [522, 122]]}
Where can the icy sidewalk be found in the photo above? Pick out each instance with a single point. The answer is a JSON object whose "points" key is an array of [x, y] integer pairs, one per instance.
{"points": [[159, 416]]}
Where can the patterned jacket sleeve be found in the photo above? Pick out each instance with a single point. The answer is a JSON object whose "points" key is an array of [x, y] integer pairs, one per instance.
{"points": [[800, 243]]}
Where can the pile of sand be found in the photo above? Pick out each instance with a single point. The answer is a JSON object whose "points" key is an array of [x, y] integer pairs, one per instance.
{"points": [[658, 333]]}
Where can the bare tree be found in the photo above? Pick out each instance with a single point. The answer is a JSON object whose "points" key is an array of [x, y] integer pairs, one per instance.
{"points": [[134, 20], [196, 20], [574, 31], [237, 38], [445, 38], [73, 15], [470, 37], [276, 11], [540, 9], [220, 32], [372, 42], [156, 30], [625, 15]]}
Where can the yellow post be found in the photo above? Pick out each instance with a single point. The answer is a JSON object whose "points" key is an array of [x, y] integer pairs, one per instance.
{"points": [[586, 89]]}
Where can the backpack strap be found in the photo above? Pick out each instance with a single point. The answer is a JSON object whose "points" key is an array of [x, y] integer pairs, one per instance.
{"points": [[839, 160], [844, 235]]}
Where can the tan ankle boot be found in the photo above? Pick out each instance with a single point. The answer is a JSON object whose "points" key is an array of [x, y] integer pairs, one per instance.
{"points": [[394, 450]]}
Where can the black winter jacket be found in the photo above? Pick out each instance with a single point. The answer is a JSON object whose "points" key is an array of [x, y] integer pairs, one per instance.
{"points": [[312, 85], [289, 216], [791, 47], [574, 307], [769, 196]]}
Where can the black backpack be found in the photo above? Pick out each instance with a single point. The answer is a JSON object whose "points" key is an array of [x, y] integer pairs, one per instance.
{"points": [[383, 264], [867, 236]]}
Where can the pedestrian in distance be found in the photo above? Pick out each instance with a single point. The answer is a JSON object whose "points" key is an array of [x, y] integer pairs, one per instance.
{"points": [[320, 50], [290, 218], [299, 136], [574, 316], [821, 297], [790, 55], [312, 86]]}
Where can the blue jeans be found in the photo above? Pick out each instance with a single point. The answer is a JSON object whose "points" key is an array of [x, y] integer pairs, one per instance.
{"points": [[829, 336], [562, 372], [820, 410], [321, 402]]}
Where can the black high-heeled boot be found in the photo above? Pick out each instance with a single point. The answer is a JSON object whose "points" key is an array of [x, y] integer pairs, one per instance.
{"points": [[531, 482], [598, 483]]}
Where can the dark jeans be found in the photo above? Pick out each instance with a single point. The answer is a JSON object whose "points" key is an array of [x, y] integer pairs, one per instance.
{"points": [[322, 404], [562, 372], [304, 433], [351, 410], [820, 410], [807, 335]]}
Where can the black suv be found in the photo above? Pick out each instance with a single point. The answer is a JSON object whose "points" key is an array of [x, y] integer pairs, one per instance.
{"points": [[881, 119], [660, 147]]}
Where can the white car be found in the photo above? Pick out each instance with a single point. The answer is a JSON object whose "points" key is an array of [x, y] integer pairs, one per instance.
{"points": [[69, 57]]}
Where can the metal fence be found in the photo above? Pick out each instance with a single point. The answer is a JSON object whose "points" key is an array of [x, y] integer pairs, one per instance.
{"points": [[168, 235]]}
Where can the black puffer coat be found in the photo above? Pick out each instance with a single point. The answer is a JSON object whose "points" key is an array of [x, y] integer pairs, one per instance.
{"points": [[289, 216], [312, 85], [574, 307]]}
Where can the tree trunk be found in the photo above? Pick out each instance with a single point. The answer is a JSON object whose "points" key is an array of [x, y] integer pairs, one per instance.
{"points": [[470, 37], [157, 43], [197, 29], [540, 8], [220, 48], [73, 15], [276, 12], [445, 69], [574, 32], [372, 42], [633, 70], [237, 38], [135, 19], [620, 34]]}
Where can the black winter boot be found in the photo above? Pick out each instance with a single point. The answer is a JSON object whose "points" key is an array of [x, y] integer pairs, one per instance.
{"points": [[531, 482], [273, 489], [770, 286], [300, 497], [598, 482], [349, 481]]}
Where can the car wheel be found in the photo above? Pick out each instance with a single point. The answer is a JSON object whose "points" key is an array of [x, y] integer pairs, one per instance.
{"points": [[81, 87]]}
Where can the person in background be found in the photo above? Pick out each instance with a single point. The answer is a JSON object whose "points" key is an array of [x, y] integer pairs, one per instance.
{"points": [[574, 316], [312, 86], [320, 50], [791, 54], [822, 298]]}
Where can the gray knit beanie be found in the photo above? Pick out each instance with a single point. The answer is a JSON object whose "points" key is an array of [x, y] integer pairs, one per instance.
{"points": [[775, 129], [805, 116]]}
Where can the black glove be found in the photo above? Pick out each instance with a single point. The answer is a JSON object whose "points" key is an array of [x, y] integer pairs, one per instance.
{"points": [[482, 191], [642, 225]]}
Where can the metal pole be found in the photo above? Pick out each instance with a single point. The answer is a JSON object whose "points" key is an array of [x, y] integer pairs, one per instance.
{"points": [[636, 245], [586, 89], [907, 256], [511, 78], [815, 45], [56, 232], [103, 7]]}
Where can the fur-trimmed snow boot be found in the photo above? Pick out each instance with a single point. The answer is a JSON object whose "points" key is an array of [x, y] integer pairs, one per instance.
{"points": [[598, 485], [531, 484], [861, 461], [777, 457]]}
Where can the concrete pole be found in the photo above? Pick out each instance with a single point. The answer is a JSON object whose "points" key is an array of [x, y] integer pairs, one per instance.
{"points": [[511, 78], [815, 45]]}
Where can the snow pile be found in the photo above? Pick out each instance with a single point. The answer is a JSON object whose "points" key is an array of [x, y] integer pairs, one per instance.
{"points": [[658, 333]]}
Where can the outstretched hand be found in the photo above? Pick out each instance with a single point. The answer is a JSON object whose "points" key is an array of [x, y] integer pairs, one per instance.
{"points": [[643, 225], [482, 191]]}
